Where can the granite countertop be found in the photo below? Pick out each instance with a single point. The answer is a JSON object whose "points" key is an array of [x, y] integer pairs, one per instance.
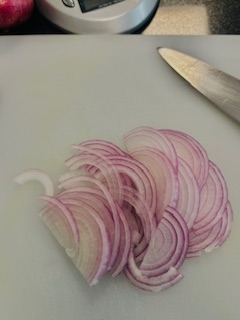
{"points": [[193, 17]]}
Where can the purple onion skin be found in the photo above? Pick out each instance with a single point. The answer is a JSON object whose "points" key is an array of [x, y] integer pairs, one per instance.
{"points": [[15, 12]]}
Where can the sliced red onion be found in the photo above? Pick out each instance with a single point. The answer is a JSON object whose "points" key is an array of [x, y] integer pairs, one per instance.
{"points": [[168, 246], [140, 176], [164, 175], [189, 193], [224, 225], [140, 207], [192, 152], [125, 245], [142, 213], [59, 226], [64, 215], [105, 147], [198, 243], [96, 207], [36, 175], [213, 238], [133, 225], [112, 204], [140, 250], [100, 157], [225, 232], [92, 197], [95, 200], [153, 284], [72, 174], [213, 200], [150, 137], [102, 163], [94, 249]]}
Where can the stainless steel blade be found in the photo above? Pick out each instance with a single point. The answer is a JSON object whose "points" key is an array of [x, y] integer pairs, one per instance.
{"points": [[219, 87]]}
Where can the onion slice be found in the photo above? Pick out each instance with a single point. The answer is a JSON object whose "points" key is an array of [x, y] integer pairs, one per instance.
{"points": [[94, 249], [104, 147], [124, 247], [154, 284], [153, 138], [142, 210], [36, 175], [112, 205], [165, 177], [191, 152], [213, 238], [95, 159], [95, 201], [213, 200], [140, 176], [71, 223], [168, 246], [189, 193]]}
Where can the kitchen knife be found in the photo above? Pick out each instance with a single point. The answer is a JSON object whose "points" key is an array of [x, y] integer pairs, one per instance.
{"points": [[219, 87]]}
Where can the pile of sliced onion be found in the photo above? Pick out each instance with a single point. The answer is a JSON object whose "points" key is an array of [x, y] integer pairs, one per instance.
{"points": [[141, 212]]}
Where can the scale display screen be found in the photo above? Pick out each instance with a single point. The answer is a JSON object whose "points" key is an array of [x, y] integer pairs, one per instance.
{"points": [[89, 5]]}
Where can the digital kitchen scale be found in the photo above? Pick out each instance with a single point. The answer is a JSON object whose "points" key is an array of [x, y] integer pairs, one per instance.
{"points": [[98, 16]]}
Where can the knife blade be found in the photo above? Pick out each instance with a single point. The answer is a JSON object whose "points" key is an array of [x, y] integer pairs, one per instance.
{"points": [[219, 87]]}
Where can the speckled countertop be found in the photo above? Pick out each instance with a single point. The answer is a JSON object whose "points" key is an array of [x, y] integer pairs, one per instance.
{"points": [[193, 17], [196, 17]]}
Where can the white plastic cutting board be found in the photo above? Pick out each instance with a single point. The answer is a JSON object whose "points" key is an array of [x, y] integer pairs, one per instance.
{"points": [[55, 91]]}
